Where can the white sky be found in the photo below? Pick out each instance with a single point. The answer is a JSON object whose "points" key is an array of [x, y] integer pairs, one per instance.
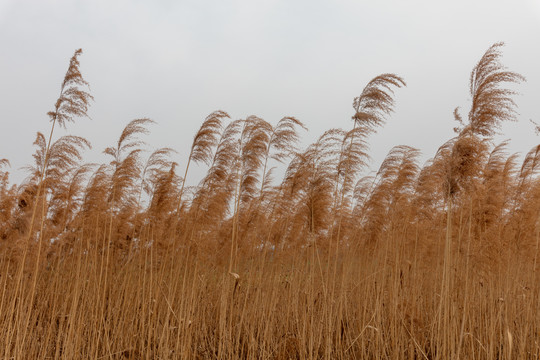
{"points": [[177, 61]]}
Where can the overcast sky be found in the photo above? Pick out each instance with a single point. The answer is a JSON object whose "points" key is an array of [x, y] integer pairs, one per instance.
{"points": [[177, 61]]}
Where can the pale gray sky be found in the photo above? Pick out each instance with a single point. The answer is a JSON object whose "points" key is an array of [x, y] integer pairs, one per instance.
{"points": [[177, 61]]}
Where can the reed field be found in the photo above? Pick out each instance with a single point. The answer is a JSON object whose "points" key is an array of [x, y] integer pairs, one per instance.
{"points": [[128, 260]]}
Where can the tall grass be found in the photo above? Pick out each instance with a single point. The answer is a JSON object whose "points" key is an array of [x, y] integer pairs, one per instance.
{"points": [[122, 260]]}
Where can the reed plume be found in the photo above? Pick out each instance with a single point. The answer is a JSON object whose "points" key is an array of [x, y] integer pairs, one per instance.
{"points": [[96, 193], [125, 163], [253, 146], [67, 200], [156, 163], [204, 143], [64, 155], [213, 196], [73, 101], [157, 176], [390, 191], [529, 168], [497, 185], [63, 178], [524, 208], [491, 103], [309, 184], [376, 101], [371, 107], [125, 168], [164, 194], [282, 143]]}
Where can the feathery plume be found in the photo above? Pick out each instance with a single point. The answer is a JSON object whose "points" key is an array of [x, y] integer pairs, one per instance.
{"points": [[73, 101], [203, 145], [126, 167], [491, 103], [376, 101]]}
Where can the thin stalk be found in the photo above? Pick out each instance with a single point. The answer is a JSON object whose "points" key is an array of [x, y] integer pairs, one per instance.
{"points": [[184, 182]]}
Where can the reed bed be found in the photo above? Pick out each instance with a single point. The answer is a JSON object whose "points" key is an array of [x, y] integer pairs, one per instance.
{"points": [[124, 260]]}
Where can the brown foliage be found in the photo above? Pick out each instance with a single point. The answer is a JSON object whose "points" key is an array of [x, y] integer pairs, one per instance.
{"points": [[438, 261]]}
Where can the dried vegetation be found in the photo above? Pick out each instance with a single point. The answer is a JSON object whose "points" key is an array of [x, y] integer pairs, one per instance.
{"points": [[124, 261]]}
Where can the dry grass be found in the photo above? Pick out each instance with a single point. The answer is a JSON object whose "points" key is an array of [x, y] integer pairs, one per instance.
{"points": [[124, 261]]}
